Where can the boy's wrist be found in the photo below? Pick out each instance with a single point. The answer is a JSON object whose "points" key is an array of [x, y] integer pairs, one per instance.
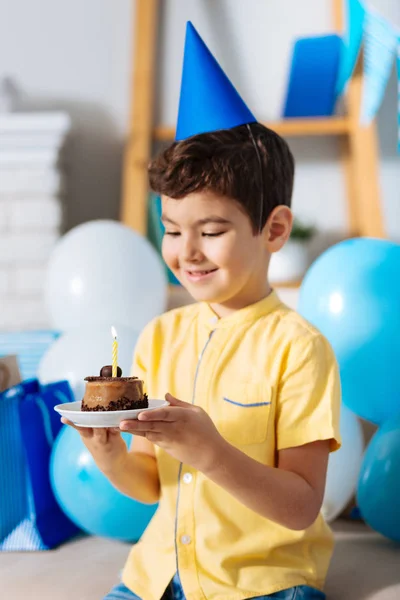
{"points": [[116, 465], [213, 458]]}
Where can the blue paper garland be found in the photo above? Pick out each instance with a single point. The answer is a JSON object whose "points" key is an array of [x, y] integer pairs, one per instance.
{"points": [[352, 40], [380, 44], [398, 94]]}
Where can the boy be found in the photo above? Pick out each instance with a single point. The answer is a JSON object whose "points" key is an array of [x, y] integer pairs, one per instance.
{"points": [[238, 460]]}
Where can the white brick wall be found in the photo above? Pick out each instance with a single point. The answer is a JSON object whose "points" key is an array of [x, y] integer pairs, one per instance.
{"points": [[4, 214], [5, 281], [35, 181], [25, 249], [29, 229], [29, 280], [28, 248], [40, 213], [31, 184], [24, 257], [19, 313]]}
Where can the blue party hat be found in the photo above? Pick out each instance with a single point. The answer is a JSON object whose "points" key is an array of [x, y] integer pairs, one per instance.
{"points": [[208, 100]]}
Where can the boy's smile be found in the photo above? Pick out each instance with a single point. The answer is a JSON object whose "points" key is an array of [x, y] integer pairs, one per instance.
{"points": [[210, 246], [196, 275]]}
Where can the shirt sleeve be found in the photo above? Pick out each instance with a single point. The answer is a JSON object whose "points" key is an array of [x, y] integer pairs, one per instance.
{"points": [[309, 395]]}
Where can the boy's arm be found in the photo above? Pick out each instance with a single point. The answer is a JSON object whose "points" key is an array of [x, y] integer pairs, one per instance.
{"points": [[136, 474], [142, 446], [306, 424], [290, 495], [133, 472], [307, 420]]}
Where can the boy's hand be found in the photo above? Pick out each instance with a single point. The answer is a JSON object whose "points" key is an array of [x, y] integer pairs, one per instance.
{"points": [[185, 431], [105, 445]]}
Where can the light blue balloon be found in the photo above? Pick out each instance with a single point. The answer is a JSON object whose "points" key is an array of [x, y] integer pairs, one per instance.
{"points": [[379, 481], [88, 498], [344, 466], [352, 295]]}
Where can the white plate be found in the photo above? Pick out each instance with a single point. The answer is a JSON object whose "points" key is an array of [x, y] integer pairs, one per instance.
{"points": [[107, 418]]}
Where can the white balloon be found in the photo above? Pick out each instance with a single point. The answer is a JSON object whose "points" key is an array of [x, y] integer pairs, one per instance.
{"points": [[77, 354], [344, 466], [104, 272]]}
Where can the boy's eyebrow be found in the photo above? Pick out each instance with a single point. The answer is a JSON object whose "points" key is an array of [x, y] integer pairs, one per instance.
{"points": [[205, 221]]}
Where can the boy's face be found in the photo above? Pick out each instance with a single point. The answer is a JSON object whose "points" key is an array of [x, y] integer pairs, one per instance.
{"points": [[210, 247]]}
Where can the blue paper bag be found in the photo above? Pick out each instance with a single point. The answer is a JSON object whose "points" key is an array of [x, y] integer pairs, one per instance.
{"points": [[30, 518]]}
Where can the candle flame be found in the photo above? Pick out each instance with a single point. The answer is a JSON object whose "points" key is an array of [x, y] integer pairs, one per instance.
{"points": [[114, 333]]}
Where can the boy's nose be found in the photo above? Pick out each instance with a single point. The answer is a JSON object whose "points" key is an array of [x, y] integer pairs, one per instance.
{"points": [[190, 251]]}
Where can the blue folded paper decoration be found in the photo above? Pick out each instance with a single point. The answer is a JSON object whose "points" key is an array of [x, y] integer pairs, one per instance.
{"points": [[29, 347], [313, 75], [398, 95], [30, 517], [155, 231], [208, 100], [380, 49], [351, 42]]}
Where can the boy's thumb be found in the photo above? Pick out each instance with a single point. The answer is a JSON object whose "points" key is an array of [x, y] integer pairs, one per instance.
{"points": [[175, 402]]}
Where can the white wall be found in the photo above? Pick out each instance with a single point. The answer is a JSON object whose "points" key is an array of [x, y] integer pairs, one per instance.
{"points": [[77, 55]]}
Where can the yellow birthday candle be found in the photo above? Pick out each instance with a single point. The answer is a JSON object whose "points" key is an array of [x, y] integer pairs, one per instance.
{"points": [[114, 352]]}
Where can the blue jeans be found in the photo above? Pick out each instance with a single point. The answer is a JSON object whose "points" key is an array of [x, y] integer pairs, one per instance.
{"points": [[175, 592]]}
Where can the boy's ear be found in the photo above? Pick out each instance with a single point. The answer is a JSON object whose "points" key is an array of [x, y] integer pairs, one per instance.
{"points": [[278, 228]]}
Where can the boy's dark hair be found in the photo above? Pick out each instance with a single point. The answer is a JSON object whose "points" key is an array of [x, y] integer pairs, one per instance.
{"points": [[226, 163]]}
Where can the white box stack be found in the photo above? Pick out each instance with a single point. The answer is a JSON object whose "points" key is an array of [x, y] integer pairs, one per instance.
{"points": [[32, 182]]}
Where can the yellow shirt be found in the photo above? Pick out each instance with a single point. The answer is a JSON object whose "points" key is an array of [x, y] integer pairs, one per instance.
{"points": [[269, 381]]}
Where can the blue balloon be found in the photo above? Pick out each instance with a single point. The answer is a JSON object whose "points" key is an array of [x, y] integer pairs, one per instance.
{"points": [[352, 295], [379, 481], [88, 498]]}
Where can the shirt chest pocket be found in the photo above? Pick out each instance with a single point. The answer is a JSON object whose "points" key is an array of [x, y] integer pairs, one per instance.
{"points": [[244, 412]]}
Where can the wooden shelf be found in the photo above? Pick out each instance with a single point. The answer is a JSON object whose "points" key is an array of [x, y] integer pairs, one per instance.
{"points": [[288, 127]]}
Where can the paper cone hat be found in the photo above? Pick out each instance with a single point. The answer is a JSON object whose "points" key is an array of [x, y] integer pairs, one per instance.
{"points": [[208, 101]]}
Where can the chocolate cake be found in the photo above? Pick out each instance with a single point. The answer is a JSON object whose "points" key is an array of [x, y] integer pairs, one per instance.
{"points": [[113, 393]]}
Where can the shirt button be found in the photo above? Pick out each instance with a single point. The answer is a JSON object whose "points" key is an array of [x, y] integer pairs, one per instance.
{"points": [[187, 478], [186, 539], [214, 320]]}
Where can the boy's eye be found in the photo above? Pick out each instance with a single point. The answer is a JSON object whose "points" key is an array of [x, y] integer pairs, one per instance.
{"points": [[205, 234]]}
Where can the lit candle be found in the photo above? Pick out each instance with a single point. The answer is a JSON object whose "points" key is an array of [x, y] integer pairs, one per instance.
{"points": [[114, 352]]}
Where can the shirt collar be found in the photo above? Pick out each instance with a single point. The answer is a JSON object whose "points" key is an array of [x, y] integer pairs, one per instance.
{"points": [[211, 321]]}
